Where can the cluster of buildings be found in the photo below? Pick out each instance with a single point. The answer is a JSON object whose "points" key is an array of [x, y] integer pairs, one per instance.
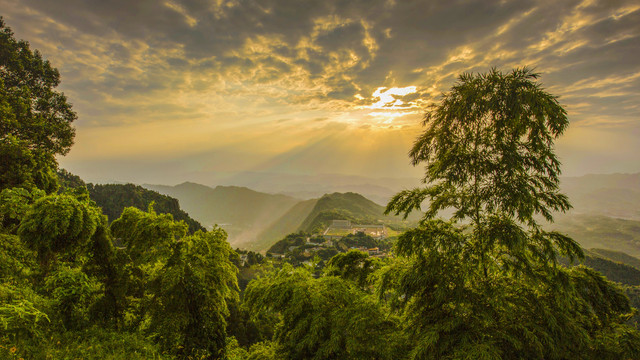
{"points": [[340, 228]]}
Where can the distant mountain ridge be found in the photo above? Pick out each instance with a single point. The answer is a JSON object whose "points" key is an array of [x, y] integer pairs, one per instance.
{"points": [[242, 212], [113, 198], [613, 195], [255, 219], [308, 216]]}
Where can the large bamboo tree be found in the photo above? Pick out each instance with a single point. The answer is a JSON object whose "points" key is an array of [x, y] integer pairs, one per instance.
{"points": [[486, 283]]}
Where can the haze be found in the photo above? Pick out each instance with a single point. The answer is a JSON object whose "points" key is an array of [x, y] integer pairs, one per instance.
{"points": [[170, 91]]}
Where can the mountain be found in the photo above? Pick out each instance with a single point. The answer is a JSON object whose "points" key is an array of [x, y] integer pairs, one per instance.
{"points": [[617, 256], [613, 195], [353, 205], [242, 212], [308, 187], [286, 224], [614, 270], [599, 231], [316, 214], [113, 198]]}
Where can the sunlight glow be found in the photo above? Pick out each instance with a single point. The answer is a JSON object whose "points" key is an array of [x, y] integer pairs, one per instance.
{"points": [[388, 100]]}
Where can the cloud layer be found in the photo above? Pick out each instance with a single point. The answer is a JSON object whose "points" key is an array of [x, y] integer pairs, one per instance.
{"points": [[283, 85]]}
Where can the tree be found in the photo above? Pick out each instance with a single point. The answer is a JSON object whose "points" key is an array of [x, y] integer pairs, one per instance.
{"points": [[191, 294], [59, 225], [486, 284], [33, 111], [35, 119], [353, 265], [324, 318]]}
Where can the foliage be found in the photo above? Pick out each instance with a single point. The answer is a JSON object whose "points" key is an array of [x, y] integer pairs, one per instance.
{"points": [[491, 288], [265, 350], [451, 310], [68, 180], [16, 261], [35, 120], [282, 246], [70, 286], [22, 312], [191, 294], [14, 204], [360, 239], [94, 343], [113, 198], [147, 236], [58, 223], [488, 149], [353, 265], [21, 166], [72, 291], [325, 318], [32, 110]]}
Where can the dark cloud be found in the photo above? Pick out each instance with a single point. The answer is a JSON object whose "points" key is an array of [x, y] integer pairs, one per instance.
{"points": [[128, 61]]}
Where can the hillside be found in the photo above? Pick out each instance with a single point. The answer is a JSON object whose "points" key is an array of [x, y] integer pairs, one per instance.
{"points": [[599, 231], [113, 198], [613, 195], [242, 212], [617, 256], [353, 204], [612, 269], [316, 214], [286, 224]]}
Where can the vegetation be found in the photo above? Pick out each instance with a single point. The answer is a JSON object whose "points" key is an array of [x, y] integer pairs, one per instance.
{"points": [[491, 288], [240, 211], [65, 290], [114, 198], [36, 119], [314, 216]]}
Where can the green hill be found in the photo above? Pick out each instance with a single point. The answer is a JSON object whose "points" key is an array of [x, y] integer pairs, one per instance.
{"points": [[242, 212], [286, 224], [601, 232], [352, 206], [113, 198], [316, 214], [613, 270], [617, 256]]}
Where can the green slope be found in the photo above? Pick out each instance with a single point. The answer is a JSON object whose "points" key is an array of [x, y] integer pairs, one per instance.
{"points": [[353, 204], [315, 214], [113, 198], [242, 212], [617, 256], [286, 224], [613, 270], [601, 232]]}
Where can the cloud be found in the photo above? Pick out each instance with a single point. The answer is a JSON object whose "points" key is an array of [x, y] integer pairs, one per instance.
{"points": [[241, 67]]}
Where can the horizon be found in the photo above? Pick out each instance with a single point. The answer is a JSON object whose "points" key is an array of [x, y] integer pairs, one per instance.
{"points": [[190, 91]]}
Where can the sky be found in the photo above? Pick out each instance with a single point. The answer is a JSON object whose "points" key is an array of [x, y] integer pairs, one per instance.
{"points": [[177, 90]]}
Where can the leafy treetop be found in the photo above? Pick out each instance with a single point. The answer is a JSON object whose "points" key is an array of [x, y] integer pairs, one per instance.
{"points": [[488, 148]]}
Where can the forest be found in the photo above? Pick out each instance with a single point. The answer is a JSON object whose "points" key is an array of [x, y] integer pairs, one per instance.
{"points": [[129, 280]]}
